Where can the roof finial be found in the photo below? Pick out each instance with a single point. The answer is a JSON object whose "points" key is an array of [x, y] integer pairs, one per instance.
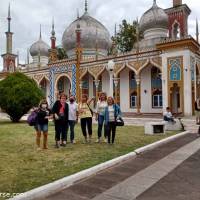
{"points": [[40, 31], [77, 13], [53, 28], [86, 6], [154, 2]]}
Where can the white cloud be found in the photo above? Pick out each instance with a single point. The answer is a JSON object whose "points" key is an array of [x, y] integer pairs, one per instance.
{"points": [[27, 15]]}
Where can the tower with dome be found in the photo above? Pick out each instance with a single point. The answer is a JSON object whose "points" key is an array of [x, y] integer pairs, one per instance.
{"points": [[163, 68]]}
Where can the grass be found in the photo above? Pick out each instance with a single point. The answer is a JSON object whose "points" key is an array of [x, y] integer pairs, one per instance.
{"points": [[23, 168]]}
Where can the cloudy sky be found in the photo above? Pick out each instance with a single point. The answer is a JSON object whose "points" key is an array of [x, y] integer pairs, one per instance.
{"points": [[27, 15]]}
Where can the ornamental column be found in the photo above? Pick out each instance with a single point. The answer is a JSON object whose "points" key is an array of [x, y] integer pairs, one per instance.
{"points": [[116, 82], [96, 82], [78, 56]]}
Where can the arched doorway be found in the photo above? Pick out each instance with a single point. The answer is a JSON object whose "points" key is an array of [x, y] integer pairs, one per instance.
{"points": [[175, 98], [63, 85], [156, 88], [44, 85]]}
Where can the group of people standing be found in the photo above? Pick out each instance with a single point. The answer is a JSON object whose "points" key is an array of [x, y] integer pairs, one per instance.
{"points": [[65, 115]]}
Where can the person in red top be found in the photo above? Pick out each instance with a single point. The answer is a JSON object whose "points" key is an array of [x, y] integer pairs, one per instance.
{"points": [[60, 111]]}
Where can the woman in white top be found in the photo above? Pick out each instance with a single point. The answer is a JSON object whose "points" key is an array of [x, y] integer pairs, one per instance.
{"points": [[101, 105], [73, 117]]}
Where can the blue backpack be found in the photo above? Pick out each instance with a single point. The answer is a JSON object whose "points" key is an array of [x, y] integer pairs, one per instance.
{"points": [[32, 118]]}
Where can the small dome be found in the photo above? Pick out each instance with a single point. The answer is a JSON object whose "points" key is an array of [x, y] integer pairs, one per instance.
{"points": [[39, 47], [155, 17], [92, 33]]}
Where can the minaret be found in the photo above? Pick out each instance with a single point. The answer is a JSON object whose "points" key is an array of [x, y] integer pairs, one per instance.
{"points": [[78, 60], [114, 42], [197, 31], [53, 51], [178, 19], [177, 3], [9, 57]]}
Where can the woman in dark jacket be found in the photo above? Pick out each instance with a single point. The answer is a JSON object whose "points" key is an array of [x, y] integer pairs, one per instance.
{"points": [[60, 111]]}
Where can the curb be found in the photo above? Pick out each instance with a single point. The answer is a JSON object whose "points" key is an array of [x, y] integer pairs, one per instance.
{"points": [[56, 186]]}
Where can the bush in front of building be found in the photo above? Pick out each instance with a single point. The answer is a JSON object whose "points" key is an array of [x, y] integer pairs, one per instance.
{"points": [[18, 94]]}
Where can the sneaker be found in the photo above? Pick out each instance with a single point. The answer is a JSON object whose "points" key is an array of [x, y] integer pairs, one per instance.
{"points": [[73, 142], [98, 141], [38, 149], [106, 140]]}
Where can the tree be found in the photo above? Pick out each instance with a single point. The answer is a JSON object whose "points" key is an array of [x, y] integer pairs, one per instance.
{"points": [[126, 37], [61, 53], [18, 94]]}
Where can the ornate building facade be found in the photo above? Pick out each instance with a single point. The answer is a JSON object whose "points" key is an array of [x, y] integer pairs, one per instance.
{"points": [[163, 70]]}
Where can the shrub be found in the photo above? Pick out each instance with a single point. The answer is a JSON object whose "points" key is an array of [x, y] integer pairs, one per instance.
{"points": [[18, 94]]}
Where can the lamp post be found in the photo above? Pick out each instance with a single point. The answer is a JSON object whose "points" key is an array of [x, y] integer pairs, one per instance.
{"points": [[110, 69], [138, 93]]}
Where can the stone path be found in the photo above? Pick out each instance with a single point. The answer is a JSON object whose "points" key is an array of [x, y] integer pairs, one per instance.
{"points": [[169, 172]]}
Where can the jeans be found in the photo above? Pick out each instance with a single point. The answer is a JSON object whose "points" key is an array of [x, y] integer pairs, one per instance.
{"points": [[168, 119], [42, 127], [61, 130], [111, 127], [86, 122], [101, 122], [71, 125]]}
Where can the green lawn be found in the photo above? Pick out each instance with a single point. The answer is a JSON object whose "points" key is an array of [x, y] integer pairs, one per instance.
{"points": [[23, 168]]}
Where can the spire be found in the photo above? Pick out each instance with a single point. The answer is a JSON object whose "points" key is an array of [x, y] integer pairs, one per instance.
{"points": [[154, 3], [28, 56], [96, 43], [40, 32], [86, 6], [9, 18], [18, 58], [137, 35], [115, 30], [197, 30], [53, 28]]}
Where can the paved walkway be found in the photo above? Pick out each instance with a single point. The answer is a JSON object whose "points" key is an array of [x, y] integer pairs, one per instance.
{"points": [[169, 172]]}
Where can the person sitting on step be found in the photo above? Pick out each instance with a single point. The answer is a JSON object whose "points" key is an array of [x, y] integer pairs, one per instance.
{"points": [[167, 116]]}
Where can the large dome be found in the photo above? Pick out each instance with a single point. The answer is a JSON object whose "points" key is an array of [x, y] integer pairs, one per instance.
{"points": [[93, 34], [39, 47], [155, 17]]}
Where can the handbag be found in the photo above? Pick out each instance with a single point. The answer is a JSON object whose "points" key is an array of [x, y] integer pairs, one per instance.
{"points": [[119, 122]]}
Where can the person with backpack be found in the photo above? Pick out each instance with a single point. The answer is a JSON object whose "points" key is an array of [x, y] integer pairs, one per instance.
{"points": [[85, 114], [100, 109], [43, 114], [60, 112], [111, 114]]}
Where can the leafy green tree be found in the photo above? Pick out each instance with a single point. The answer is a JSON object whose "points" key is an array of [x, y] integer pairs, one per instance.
{"points": [[126, 37], [61, 53], [18, 94]]}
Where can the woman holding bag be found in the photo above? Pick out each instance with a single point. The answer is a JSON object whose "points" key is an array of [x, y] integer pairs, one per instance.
{"points": [[112, 113]]}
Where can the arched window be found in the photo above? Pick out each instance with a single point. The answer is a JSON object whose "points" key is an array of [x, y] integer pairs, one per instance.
{"points": [[176, 30], [61, 85], [43, 86], [175, 72], [157, 99]]}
